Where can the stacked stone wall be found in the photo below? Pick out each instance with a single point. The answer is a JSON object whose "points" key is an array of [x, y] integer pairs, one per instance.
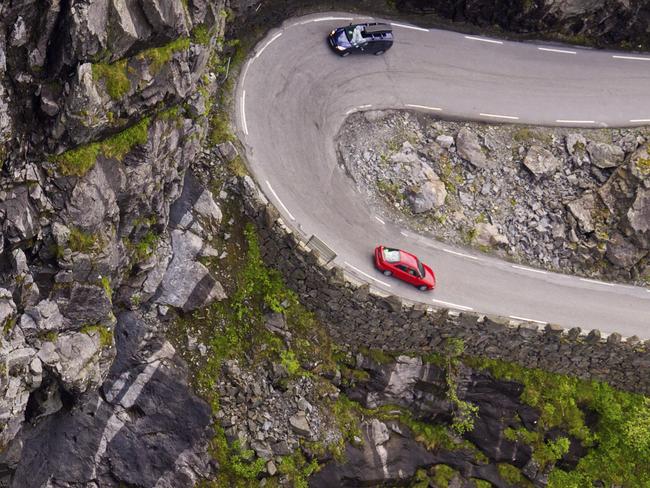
{"points": [[360, 316]]}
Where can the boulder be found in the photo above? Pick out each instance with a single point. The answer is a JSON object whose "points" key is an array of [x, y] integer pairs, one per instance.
{"points": [[469, 148], [486, 234], [576, 144], [429, 195], [540, 161], [605, 155], [622, 252], [445, 141], [583, 210], [21, 219], [299, 424], [390, 462]]}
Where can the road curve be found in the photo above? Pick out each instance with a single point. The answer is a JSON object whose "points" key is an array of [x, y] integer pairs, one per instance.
{"points": [[294, 93]]}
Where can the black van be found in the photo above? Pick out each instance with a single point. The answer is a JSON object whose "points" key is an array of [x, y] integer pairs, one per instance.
{"points": [[371, 38]]}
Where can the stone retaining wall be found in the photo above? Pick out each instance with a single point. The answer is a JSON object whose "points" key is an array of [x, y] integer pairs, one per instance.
{"points": [[359, 315]]}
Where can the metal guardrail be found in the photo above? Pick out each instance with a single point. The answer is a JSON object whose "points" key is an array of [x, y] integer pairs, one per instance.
{"points": [[323, 249]]}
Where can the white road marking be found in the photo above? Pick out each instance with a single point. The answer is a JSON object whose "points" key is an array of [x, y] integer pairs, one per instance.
{"points": [[412, 27], [365, 106], [380, 221], [563, 51], [492, 41], [350, 111], [496, 116], [326, 18], [639, 120], [279, 201], [530, 269], [425, 107], [365, 274], [569, 121], [587, 280], [267, 44], [460, 254], [527, 320], [635, 58], [243, 112], [453, 305], [406, 235]]}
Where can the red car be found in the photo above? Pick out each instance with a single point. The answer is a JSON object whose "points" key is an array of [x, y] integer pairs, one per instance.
{"points": [[405, 266]]}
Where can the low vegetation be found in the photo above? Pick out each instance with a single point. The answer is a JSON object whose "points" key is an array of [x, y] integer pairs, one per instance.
{"points": [[618, 438], [78, 161]]}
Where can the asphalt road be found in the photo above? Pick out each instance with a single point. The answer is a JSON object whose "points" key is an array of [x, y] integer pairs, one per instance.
{"points": [[294, 94]]}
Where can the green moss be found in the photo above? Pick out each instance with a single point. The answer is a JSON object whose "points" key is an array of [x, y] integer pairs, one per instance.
{"points": [[442, 475], [220, 130], [145, 247], [105, 334], [158, 57], [289, 361], [643, 165], [80, 241], [510, 474], [201, 35], [9, 325], [78, 161], [106, 285], [49, 336], [377, 355], [114, 76], [297, 469], [479, 483]]}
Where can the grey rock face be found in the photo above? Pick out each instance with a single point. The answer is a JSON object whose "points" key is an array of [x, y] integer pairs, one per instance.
{"points": [[605, 155], [188, 284], [79, 359], [541, 162], [469, 148], [147, 417]]}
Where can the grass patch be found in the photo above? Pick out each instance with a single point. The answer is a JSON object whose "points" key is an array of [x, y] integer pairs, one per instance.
{"points": [[78, 161], [114, 76], [105, 334], [157, 57], [513, 475], [201, 35], [442, 475], [80, 241]]}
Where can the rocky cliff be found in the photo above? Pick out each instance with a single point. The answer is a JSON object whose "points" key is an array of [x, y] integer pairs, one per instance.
{"points": [[102, 109], [597, 22]]}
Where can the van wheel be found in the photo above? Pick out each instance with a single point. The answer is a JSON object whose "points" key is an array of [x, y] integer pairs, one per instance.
{"points": [[379, 52], [387, 272], [422, 287]]}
